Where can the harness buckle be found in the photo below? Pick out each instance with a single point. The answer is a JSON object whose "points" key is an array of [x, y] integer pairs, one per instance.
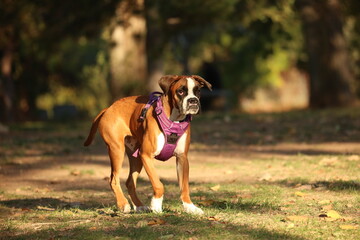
{"points": [[172, 138]]}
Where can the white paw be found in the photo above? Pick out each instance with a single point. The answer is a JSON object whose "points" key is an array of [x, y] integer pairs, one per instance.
{"points": [[192, 209], [141, 209], [156, 204], [127, 208]]}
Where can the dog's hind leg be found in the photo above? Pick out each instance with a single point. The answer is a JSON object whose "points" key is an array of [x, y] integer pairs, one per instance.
{"points": [[116, 153], [136, 166]]}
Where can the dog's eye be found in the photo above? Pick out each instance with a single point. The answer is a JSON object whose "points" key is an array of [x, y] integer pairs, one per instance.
{"points": [[181, 92]]}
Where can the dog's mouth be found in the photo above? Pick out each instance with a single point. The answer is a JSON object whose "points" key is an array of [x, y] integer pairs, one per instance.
{"points": [[192, 108]]}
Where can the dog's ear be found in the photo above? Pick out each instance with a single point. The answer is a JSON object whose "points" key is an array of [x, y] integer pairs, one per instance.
{"points": [[167, 81], [202, 82]]}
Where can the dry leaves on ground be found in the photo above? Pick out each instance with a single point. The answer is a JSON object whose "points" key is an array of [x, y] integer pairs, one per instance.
{"points": [[152, 222], [215, 188], [300, 194]]}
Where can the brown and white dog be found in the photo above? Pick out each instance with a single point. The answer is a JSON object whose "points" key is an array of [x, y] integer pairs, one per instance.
{"points": [[122, 132]]}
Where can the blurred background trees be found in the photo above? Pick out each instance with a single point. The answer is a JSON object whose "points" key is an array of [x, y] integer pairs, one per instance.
{"points": [[85, 54]]}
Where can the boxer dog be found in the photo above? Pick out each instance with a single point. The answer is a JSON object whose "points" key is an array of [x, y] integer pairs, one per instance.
{"points": [[126, 128]]}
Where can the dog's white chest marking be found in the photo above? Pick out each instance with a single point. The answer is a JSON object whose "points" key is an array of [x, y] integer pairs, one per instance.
{"points": [[160, 142], [181, 144]]}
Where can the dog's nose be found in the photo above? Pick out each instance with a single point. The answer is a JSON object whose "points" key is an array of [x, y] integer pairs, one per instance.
{"points": [[193, 101]]}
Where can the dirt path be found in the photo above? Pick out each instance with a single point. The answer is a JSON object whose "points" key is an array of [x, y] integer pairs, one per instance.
{"points": [[52, 159], [89, 168]]}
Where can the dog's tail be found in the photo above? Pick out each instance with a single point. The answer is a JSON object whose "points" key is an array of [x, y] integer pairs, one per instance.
{"points": [[94, 128]]}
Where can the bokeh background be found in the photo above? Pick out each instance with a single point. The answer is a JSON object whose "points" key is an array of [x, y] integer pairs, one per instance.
{"points": [[69, 59]]}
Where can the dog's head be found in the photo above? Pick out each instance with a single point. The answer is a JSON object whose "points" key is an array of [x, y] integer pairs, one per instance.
{"points": [[184, 91]]}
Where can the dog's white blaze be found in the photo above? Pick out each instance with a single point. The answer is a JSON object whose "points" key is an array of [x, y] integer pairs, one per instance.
{"points": [[181, 144], [190, 85], [156, 204], [160, 144]]}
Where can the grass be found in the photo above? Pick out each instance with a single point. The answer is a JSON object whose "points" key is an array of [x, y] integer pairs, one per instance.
{"points": [[266, 176]]}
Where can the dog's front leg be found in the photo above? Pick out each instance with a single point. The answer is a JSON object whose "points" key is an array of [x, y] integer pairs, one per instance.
{"points": [[158, 187], [182, 167]]}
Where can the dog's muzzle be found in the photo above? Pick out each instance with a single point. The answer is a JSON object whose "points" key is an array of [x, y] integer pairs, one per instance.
{"points": [[193, 106]]}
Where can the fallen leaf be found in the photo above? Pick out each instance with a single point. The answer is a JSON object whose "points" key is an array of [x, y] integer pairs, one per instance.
{"points": [[213, 218], [333, 214], [215, 188], [300, 194], [156, 221], [92, 228], [349, 227], [297, 218]]}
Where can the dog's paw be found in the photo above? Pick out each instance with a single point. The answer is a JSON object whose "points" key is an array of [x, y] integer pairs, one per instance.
{"points": [[142, 209], [126, 208], [192, 209], [156, 204]]}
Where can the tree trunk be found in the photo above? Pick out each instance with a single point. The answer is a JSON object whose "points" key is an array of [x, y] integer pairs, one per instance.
{"points": [[127, 50], [8, 90], [331, 78], [155, 42]]}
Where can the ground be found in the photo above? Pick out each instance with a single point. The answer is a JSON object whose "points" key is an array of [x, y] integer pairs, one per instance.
{"points": [[290, 175]]}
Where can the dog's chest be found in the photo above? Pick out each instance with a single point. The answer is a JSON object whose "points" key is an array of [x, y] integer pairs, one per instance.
{"points": [[180, 147]]}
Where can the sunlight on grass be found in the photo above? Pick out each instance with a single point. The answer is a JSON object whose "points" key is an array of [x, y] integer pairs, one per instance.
{"points": [[282, 186]]}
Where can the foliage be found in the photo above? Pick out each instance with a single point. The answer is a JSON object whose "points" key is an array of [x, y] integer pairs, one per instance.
{"points": [[251, 43], [44, 38], [61, 49]]}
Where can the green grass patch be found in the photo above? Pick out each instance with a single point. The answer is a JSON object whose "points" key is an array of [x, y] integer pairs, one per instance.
{"points": [[285, 193]]}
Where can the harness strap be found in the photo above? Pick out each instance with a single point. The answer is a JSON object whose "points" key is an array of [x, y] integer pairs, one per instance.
{"points": [[153, 98], [171, 130]]}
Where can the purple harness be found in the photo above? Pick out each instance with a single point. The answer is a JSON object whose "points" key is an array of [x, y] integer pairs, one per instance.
{"points": [[172, 130]]}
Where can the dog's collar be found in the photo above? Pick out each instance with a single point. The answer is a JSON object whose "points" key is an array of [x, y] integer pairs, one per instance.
{"points": [[172, 130]]}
